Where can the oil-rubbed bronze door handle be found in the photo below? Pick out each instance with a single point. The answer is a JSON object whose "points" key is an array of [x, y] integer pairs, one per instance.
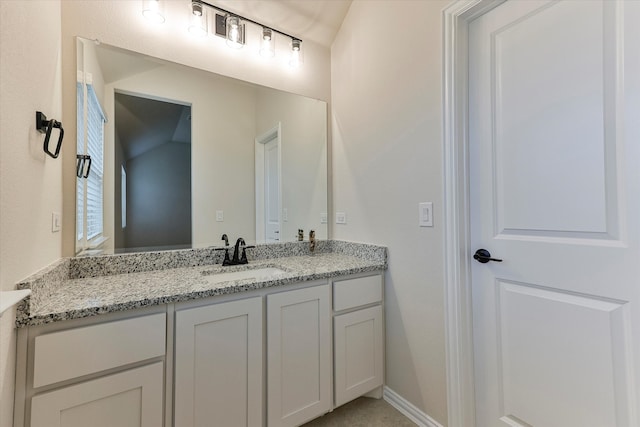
{"points": [[484, 256]]}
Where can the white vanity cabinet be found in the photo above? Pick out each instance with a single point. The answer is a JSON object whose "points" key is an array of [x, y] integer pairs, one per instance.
{"points": [[298, 355], [100, 375], [358, 336], [218, 365], [270, 357]]}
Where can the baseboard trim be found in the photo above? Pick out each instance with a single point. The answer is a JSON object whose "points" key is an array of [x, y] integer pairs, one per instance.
{"points": [[408, 409]]}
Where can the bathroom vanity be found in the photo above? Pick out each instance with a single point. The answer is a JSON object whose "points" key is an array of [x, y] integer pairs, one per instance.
{"points": [[174, 339]]}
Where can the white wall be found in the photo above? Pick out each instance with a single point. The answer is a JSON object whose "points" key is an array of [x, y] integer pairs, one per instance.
{"points": [[30, 181], [120, 23], [386, 124]]}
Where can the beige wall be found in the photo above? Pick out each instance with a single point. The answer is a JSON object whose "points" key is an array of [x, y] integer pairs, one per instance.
{"points": [[120, 23], [30, 181], [386, 121]]}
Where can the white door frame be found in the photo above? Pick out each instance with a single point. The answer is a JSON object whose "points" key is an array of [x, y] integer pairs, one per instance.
{"points": [[260, 141], [457, 274]]}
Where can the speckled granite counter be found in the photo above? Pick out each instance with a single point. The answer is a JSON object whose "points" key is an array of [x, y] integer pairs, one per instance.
{"points": [[80, 287]]}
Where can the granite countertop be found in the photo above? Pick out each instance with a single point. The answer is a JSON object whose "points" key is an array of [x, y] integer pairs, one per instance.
{"points": [[103, 287]]}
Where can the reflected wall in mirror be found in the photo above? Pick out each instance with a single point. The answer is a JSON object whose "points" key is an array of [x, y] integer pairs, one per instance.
{"points": [[212, 162]]}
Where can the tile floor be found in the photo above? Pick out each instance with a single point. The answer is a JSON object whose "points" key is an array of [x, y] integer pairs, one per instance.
{"points": [[363, 412]]}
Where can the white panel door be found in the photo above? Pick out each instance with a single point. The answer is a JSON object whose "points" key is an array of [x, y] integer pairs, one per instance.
{"points": [[298, 355], [218, 365], [554, 137]]}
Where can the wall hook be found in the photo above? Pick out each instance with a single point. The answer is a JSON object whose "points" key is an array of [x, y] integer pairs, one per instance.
{"points": [[46, 126]]}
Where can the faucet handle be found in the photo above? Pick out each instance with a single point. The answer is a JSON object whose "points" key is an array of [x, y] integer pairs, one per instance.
{"points": [[226, 239], [227, 260]]}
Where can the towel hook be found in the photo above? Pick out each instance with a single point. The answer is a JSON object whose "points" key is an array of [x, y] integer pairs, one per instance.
{"points": [[83, 165], [46, 126]]}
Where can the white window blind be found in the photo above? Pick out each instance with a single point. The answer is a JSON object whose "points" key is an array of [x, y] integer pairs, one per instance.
{"points": [[95, 148]]}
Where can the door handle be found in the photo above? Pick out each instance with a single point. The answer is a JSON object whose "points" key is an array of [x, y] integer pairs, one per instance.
{"points": [[484, 256]]}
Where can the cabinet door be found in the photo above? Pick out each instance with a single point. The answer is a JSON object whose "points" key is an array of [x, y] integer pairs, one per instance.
{"points": [[218, 365], [128, 399], [299, 355], [358, 346]]}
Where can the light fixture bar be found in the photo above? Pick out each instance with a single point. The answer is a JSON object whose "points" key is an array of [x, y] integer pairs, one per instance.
{"points": [[227, 12]]}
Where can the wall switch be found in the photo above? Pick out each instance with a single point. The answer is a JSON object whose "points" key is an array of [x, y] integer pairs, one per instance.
{"points": [[219, 216], [425, 214], [323, 218], [56, 222], [285, 214], [341, 217]]}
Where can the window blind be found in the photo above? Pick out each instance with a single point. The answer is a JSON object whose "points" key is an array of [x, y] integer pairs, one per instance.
{"points": [[95, 148]]}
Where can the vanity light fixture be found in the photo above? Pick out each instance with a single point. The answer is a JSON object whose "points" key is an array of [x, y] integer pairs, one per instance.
{"points": [[153, 10], [231, 26], [198, 20]]}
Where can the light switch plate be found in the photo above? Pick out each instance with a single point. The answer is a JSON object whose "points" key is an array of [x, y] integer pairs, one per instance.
{"points": [[56, 222], [219, 216], [341, 217], [323, 218], [425, 214]]}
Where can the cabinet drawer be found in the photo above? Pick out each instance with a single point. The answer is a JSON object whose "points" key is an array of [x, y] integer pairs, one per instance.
{"points": [[352, 293], [128, 398], [60, 356]]}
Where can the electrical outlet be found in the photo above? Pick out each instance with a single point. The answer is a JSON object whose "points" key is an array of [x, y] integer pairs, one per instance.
{"points": [[219, 216], [323, 218], [285, 214], [425, 214], [341, 217], [56, 222]]}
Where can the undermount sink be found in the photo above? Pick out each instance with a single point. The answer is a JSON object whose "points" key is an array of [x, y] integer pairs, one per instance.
{"points": [[257, 274]]}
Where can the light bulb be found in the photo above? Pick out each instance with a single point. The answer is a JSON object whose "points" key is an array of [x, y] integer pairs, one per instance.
{"points": [[296, 54], [153, 11], [198, 20], [234, 32], [267, 45]]}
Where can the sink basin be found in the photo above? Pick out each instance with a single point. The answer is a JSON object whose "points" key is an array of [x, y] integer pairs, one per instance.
{"points": [[257, 274]]}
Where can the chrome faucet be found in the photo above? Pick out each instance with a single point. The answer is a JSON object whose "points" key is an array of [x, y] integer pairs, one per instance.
{"points": [[312, 241]]}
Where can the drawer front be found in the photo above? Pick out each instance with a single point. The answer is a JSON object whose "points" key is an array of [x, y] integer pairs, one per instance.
{"points": [[129, 398], [352, 293], [68, 354]]}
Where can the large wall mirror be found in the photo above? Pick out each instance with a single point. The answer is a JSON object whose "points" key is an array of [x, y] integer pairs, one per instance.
{"points": [[190, 155]]}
